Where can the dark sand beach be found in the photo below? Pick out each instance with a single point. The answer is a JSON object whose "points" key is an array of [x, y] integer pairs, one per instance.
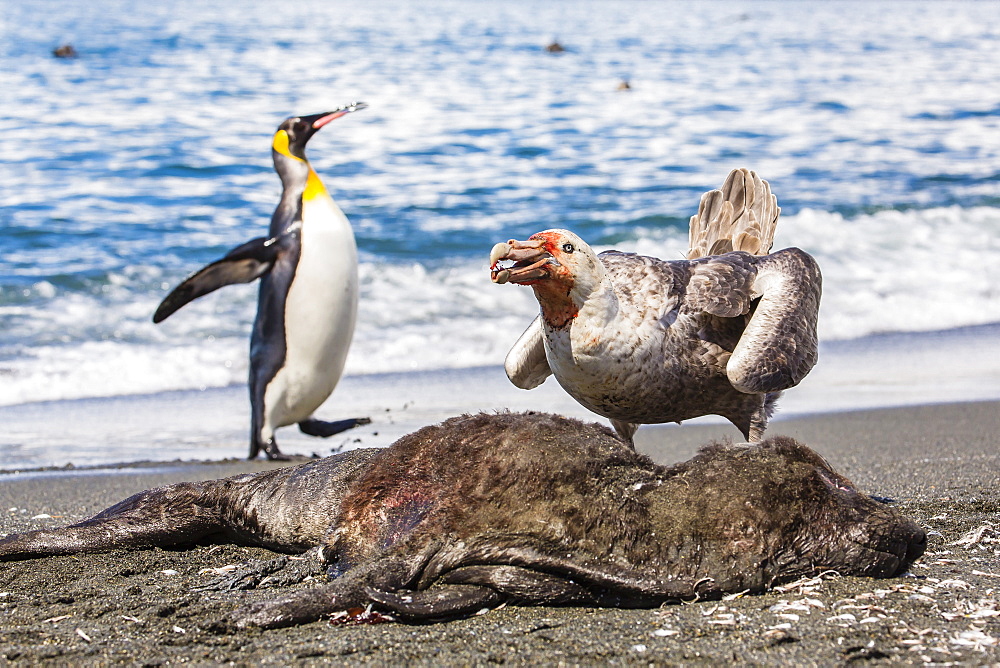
{"points": [[940, 464]]}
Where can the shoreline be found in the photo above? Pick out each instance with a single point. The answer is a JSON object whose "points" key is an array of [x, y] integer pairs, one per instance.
{"points": [[665, 444], [939, 463], [883, 371]]}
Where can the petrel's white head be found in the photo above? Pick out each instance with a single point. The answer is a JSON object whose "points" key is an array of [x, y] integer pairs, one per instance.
{"points": [[562, 268]]}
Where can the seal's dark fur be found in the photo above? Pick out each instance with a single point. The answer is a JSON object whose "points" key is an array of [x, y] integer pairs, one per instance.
{"points": [[522, 508]]}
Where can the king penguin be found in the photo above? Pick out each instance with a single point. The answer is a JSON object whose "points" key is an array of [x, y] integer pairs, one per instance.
{"points": [[308, 299]]}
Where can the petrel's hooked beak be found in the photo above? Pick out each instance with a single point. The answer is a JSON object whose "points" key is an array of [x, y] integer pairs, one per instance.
{"points": [[529, 258]]}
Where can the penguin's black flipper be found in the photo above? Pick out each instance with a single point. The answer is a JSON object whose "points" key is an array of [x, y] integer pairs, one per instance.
{"points": [[243, 264]]}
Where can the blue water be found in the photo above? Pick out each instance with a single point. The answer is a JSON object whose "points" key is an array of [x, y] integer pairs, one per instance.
{"points": [[877, 125]]}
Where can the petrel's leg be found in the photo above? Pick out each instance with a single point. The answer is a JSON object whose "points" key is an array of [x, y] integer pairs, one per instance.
{"points": [[625, 431]]}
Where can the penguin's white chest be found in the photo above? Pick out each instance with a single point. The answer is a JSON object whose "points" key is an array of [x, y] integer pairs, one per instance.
{"points": [[320, 313]]}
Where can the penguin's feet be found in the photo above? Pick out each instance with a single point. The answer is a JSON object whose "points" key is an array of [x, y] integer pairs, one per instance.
{"points": [[269, 448], [323, 429], [272, 452]]}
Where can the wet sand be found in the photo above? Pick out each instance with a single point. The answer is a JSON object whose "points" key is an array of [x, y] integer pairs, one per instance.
{"points": [[940, 464]]}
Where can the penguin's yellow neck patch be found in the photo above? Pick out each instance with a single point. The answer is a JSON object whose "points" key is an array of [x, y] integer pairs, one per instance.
{"points": [[280, 144], [314, 187]]}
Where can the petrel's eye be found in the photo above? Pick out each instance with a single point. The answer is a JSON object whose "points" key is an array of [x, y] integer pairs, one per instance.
{"points": [[568, 247]]}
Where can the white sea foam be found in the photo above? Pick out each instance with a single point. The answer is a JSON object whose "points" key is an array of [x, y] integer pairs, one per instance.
{"points": [[913, 271], [903, 270]]}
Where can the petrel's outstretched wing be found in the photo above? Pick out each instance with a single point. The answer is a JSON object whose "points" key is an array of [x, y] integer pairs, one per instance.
{"points": [[779, 346], [741, 216], [526, 364]]}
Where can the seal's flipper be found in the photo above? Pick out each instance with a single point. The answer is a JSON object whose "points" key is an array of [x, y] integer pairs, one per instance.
{"points": [[300, 607], [346, 592], [439, 603], [545, 575], [243, 264], [314, 427], [282, 571], [138, 521], [524, 586]]}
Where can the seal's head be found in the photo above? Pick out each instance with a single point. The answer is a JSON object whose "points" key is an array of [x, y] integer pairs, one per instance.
{"points": [[777, 511]]}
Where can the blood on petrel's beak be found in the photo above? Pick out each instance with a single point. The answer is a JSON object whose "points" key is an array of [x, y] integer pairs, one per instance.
{"points": [[529, 258]]}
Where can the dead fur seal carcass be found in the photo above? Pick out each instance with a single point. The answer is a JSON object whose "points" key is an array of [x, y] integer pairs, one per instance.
{"points": [[530, 509]]}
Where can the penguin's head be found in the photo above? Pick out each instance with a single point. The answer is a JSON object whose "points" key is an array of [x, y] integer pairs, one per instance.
{"points": [[294, 133]]}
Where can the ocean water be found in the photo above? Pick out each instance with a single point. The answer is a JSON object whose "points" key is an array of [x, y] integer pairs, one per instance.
{"points": [[123, 170]]}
